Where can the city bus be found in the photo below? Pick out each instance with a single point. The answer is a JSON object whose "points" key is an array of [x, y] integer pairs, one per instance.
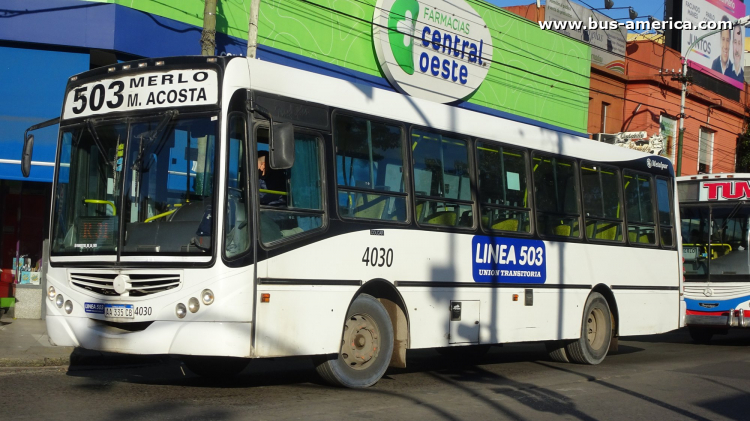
{"points": [[224, 209], [714, 223]]}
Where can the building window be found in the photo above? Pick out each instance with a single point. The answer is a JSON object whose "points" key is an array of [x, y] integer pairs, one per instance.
{"points": [[705, 151], [604, 117]]}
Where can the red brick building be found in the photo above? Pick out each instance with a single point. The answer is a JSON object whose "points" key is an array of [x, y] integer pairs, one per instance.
{"points": [[646, 98]]}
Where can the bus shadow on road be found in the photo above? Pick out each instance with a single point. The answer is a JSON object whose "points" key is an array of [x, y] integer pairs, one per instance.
{"points": [[169, 370], [734, 338]]}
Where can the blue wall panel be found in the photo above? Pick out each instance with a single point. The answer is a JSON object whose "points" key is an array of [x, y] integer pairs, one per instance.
{"points": [[74, 23], [32, 89]]}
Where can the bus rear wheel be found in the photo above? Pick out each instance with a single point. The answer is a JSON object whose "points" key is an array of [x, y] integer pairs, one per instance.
{"points": [[215, 367], [366, 346], [556, 351], [596, 333]]}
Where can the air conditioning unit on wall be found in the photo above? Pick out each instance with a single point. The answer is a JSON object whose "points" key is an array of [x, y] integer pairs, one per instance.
{"points": [[605, 138]]}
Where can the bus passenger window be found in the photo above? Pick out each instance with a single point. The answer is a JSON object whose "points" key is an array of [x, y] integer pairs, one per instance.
{"points": [[292, 202], [556, 196], [236, 227], [639, 205], [441, 180], [664, 206], [602, 207], [369, 169], [503, 194]]}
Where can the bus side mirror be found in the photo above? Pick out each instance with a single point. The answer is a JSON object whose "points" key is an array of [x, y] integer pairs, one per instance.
{"points": [[28, 148], [281, 152]]}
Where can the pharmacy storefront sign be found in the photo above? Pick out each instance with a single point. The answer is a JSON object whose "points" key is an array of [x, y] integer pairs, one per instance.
{"points": [[440, 50]]}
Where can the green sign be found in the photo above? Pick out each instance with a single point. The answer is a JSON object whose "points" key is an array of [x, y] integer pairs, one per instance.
{"points": [[535, 74]]}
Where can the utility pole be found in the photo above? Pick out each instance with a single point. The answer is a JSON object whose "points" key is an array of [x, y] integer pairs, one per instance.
{"points": [[252, 33], [208, 36], [684, 80]]}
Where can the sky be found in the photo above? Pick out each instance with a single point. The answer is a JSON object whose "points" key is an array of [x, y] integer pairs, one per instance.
{"points": [[643, 7]]}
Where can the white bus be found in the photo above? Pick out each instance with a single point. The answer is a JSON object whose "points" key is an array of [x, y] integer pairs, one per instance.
{"points": [[715, 228], [379, 223]]}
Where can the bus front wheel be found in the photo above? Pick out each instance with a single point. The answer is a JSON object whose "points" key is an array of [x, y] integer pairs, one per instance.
{"points": [[366, 346], [596, 333]]}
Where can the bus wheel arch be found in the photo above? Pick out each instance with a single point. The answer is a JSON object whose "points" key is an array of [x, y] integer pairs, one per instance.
{"points": [[608, 295], [395, 305]]}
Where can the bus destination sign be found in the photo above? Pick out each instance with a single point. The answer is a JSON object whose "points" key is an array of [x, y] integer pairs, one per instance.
{"points": [[175, 88], [725, 190]]}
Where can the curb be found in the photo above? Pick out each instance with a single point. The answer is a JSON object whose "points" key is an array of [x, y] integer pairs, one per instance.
{"points": [[34, 362]]}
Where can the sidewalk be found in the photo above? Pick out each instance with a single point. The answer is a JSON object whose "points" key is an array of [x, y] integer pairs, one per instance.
{"points": [[24, 343]]}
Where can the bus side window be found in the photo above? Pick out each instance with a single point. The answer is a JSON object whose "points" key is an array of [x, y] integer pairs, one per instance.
{"points": [[302, 208], [369, 169], [441, 180], [503, 193], [664, 206], [556, 196], [640, 210], [236, 226], [602, 207]]}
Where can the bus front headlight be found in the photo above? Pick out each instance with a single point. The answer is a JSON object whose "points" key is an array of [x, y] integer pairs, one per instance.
{"points": [[51, 293], [207, 296], [59, 301], [193, 304], [68, 306], [180, 310]]}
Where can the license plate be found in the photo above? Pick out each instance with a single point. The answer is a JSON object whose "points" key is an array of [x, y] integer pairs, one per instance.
{"points": [[118, 311]]}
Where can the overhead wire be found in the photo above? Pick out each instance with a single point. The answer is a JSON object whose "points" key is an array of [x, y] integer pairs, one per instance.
{"points": [[584, 89]]}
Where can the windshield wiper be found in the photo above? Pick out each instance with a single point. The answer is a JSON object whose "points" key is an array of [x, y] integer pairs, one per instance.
{"points": [[148, 137]]}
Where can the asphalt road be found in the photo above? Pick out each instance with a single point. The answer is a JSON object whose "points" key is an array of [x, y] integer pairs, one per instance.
{"points": [[664, 377]]}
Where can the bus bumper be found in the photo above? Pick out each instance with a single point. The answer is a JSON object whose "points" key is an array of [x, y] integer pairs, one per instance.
{"points": [[230, 339], [731, 318]]}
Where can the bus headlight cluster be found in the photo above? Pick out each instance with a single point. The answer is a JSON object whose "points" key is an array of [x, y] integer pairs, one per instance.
{"points": [[180, 310], [194, 304], [207, 296], [59, 301], [51, 293], [68, 306]]}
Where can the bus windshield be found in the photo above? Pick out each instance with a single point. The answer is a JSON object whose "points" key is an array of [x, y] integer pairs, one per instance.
{"points": [[151, 178], [715, 242]]}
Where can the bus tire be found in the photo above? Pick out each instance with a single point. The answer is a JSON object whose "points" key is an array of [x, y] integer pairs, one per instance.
{"points": [[366, 346], [556, 351], [215, 367], [700, 335], [596, 333]]}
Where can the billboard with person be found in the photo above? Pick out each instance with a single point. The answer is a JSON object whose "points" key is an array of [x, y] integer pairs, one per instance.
{"points": [[720, 54]]}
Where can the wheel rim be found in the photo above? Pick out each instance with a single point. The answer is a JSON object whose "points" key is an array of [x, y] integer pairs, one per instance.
{"points": [[361, 343], [595, 328]]}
